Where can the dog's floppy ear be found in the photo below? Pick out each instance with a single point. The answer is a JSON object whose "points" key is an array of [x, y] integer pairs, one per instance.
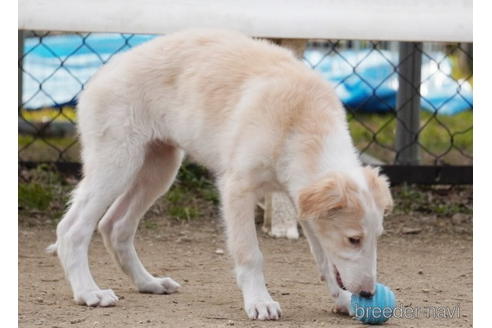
{"points": [[332, 193], [379, 187]]}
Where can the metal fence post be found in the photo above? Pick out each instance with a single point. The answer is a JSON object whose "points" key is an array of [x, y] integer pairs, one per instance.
{"points": [[20, 53], [408, 103]]}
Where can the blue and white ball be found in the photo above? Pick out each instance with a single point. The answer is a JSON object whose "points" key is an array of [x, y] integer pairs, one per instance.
{"points": [[374, 310]]}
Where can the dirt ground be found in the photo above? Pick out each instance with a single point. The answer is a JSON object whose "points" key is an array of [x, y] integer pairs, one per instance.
{"points": [[428, 267]]}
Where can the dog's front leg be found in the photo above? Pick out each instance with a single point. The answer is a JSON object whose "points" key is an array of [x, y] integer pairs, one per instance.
{"points": [[341, 297], [238, 201]]}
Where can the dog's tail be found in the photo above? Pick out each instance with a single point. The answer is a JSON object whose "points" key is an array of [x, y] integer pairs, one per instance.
{"points": [[51, 249]]}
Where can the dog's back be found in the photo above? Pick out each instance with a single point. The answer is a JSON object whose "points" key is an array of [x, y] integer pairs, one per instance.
{"points": [[176, 87]]}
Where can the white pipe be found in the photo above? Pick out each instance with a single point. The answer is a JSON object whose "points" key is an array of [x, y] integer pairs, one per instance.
{"points": [[402, 20]]}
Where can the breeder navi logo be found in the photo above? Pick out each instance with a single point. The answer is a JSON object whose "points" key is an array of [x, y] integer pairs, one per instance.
{"points": [[408, 312]]}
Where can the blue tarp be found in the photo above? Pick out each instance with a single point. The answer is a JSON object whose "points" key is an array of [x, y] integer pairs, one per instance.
{"points": [[366, 80], [61, 64]]}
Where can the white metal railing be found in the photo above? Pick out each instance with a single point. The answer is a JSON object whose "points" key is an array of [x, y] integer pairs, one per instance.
{"points": [[401, 20]]}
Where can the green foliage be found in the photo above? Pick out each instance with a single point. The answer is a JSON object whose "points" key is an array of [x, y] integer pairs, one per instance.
{"points": [[430, 200], [149, 224], [42, 190], [442, 135], [409, 199], [182, 212], [48, 149], [35, 196], [449, 209], [192, 192]]}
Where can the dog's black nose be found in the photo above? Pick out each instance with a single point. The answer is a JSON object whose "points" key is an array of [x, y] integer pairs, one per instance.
{"points": [[366, 294]]}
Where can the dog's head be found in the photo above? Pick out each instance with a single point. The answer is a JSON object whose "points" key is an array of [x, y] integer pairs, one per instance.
{"points": [[347, 218]]}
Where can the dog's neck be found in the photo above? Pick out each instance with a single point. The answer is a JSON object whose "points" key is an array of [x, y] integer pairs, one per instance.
{"points": [[336, 155]]}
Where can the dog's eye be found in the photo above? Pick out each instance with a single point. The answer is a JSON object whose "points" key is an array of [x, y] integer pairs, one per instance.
{"points": [[354, 241]]}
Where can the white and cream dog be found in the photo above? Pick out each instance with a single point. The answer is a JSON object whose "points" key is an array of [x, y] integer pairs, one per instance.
{"points": [[255, 116]]}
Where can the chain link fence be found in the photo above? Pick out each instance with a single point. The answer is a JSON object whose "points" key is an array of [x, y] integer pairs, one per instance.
{"points": [[408, 104]]}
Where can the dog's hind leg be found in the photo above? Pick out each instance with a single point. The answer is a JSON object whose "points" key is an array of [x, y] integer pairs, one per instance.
{"points": [[120, 222], [108, 171]]}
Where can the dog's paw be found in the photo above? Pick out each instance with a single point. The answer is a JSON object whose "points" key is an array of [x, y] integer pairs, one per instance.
{"points": [[292, 233], [264, 310], [342, 303], [285, 232], [164, 285], [98, 297], [340, 310]]}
